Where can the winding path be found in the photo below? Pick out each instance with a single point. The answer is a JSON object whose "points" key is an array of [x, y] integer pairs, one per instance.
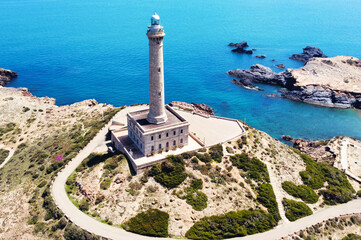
{"points": [[93, 226], [11, 153]]}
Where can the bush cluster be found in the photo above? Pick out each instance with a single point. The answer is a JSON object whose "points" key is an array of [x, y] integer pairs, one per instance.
{"points": [[216, 152], [266, 196], [255, 169], [295, 210], [150, 223], [197, 199], [338, 190], [352, 236], [306, 193], [3, 155], [169, 173], [231, 224]]}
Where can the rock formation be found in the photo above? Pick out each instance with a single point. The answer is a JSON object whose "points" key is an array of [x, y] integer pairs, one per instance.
{"points": [[308, 53], [332, 82], [280, 66], [246, 83], [193, 107], [6, 76], [240, 47], [260, 56]]}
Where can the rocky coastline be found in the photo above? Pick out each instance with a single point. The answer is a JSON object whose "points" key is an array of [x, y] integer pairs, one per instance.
{"points": [[193, 107], [331, 82], [6, 76]]}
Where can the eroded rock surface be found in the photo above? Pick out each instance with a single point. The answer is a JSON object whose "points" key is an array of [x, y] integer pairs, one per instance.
{"points": [[331, 82], [308, 53], [6, 76]]}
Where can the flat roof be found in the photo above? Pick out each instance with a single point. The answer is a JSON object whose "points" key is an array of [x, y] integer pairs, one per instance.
{"points": [[174, 119]]}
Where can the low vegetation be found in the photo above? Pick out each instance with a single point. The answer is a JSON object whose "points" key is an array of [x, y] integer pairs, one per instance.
{"points": [[255, 169], [38, 160], [266, 196], [295, 210], [3, 155], [232, 224], [193, 196], [338, 189], [150, 223], [169, 173], [352, 236], [216, 152], [306, 193]]}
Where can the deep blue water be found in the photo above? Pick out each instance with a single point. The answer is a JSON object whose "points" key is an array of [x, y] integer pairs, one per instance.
{"points": [[75, 50]]}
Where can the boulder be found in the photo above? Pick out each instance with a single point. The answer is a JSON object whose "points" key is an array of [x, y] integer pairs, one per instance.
{"points": [[242, 50], [308, 53], [242, 44], [280, 66]]}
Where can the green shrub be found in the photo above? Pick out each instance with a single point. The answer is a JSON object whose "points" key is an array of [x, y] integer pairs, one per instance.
{"points": [[42, 184], [197, 199], [306, 193], [73, 232], [3, 155], [255, 169], [216, 152], [204, 157], [352, 236], [231, 224], [150, 223], [197, 184], [295, 210], [105, 184], [169, 173], [266, 196], [229, 150], [84, 205], [338, 190], [359, 193]]}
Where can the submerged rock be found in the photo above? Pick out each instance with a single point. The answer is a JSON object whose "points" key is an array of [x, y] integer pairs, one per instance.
{"points": [[246, 83], [260, 56], [280, 66], [6, 76], [242, 50], [308, 53]]}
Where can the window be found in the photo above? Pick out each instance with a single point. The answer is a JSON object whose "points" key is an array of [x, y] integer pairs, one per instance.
{"points": [[166, 134], [158, 69], [151, 138], [141, 146], [174, 143], [181, 141], [160, 146], [167, 144], [152, 148], [160, 136], [174, 132], [181, 130]]}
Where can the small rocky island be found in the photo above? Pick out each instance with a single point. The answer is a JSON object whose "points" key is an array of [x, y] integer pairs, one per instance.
{"points": [[6, 76], [330, 82], [308, 53]]}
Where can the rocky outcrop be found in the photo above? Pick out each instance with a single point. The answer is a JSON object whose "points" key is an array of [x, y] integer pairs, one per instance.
{"points": [[261, 74], [280, 66], [193, 107], [308, 53], [332, 82], [240, 47], [6, 76]]}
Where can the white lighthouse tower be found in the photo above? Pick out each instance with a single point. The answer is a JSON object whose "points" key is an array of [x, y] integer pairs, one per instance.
{"points": [[157, 114]]}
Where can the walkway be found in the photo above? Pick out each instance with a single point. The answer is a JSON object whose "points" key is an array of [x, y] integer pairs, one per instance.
{"points": [[11, 153], [344, 162], [93, 226]]}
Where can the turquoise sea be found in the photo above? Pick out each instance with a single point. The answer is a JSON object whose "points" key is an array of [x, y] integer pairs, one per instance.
{"points": [[79, 49]]}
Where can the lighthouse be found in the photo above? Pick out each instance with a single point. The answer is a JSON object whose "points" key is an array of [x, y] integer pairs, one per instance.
{"points": [[155, 33], [158, 127]]}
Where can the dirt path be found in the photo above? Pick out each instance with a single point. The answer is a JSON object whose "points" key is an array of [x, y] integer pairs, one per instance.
{"points": [[11, 153]]}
